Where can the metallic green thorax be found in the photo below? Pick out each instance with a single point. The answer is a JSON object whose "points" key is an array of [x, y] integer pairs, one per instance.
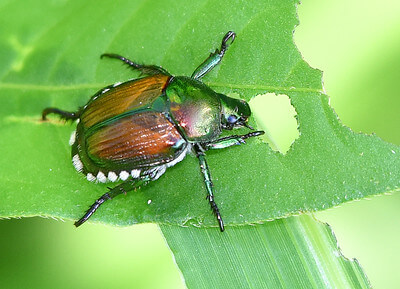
{"points": [[196, 109], [201, 112]]}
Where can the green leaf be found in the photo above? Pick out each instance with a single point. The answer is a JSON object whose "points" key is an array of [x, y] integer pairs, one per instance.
{"points": [[296, 252], [52, 59]]}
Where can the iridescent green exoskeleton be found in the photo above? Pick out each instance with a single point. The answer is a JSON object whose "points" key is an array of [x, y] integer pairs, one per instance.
{"points": [[134, 131]]}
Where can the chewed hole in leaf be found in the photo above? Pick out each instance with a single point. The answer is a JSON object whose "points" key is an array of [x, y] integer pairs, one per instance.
{"points": [[277, 117]]}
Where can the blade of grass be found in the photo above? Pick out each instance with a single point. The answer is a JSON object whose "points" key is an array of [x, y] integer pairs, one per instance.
{"points": [[296, 252]]}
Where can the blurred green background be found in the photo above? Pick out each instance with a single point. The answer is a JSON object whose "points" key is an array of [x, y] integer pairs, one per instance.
{"points": [[357, 46]]}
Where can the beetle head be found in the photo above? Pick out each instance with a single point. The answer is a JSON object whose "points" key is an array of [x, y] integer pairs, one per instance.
{"points": [[235, 112]]}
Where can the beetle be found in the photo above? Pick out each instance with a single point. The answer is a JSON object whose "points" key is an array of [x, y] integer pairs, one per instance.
{"points": [[133, 131]]}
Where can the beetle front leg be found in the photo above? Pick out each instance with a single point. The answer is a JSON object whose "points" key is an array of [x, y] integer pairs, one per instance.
{"points": [[209, 185], [215, 57], [231, 140], [123, 188]]}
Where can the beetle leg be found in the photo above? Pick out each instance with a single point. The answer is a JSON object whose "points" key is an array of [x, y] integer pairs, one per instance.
{"points": [[120, 189], [209, 185], [64, 114], [231, 140], [144, 69], [215, 57]]}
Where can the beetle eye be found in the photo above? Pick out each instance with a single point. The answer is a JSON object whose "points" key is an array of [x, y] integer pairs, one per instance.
{"points": [[232, 119]]}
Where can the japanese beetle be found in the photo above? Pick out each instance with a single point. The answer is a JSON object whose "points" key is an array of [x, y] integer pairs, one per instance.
{"points": [[134, 131]]}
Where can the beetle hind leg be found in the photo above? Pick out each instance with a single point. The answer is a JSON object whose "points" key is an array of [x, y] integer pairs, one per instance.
{"points": [[93, 208], [67, 115], [144, 69], [123, 188]]}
